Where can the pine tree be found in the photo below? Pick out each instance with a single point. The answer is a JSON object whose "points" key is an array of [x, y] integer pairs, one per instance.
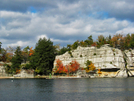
{"points": [[43, 57], [16, 60]]}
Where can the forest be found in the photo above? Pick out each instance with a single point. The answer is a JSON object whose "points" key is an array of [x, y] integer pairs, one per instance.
{"points": [[42, 57]]}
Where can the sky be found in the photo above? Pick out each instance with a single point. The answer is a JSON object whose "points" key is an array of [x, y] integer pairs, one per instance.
{"points": [[24, 22]]}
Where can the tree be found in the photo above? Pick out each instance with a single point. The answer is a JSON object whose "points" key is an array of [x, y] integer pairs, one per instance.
{"points": [[59, 69], [43, 57], [89, 66], [72, 67], [16, 60], [101, 41], [132, 41], [57, 48], [9, 53], [62, 50], [31, 51], [25, 53], [127, 41], [89, 41], [75, 45], [108, 39], [116, 39], [69, 47], [3, 55]]}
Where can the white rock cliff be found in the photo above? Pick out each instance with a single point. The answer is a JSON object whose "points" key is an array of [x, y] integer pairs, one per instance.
{"points": [[103, 58]]}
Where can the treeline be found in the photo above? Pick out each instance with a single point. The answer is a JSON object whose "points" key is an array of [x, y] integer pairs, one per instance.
{"points": [[42, 57], [39, 59], [117, 41]]}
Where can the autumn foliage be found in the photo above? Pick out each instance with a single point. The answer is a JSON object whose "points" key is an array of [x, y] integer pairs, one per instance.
{"points": [[70, 68], [89, 66], [59, 67], [31, 51], [18, 71], [99, 71]]}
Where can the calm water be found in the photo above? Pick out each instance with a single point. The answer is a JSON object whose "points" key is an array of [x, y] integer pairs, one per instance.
{"points": [[101, 89]]}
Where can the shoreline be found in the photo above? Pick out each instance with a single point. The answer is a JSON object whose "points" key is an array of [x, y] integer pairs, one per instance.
{"points": [[39, 77], [56, 77]]}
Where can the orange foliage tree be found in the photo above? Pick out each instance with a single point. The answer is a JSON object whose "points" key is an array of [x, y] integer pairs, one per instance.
{"points": [[18, 71], [116, 40], [31, 51], [59, 67], [70, 68]]}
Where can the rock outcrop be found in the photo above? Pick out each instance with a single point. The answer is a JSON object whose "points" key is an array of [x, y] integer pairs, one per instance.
{"points": [[105, 58]]}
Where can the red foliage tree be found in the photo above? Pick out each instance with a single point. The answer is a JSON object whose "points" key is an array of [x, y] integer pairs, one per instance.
{"points": [[74, 66], [70, 68], [59, 67]]}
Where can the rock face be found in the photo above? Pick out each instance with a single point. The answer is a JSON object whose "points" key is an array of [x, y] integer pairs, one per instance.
{"points": [[2, 70], [25, 74], [129, 55], [104, 58]]}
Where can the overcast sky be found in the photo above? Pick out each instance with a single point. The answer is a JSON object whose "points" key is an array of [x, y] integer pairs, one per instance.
{"points": [[23, 22]]}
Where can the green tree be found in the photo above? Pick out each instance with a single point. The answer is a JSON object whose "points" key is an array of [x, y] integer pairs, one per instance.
{"points": [[132, 41], [25, 53], [75, 44], [69, 47], [89, 66], [63, 50], [101, 41], [3, 55], [16, 60], [127, 41], [26, 49], [89, 41], [43, 57]]}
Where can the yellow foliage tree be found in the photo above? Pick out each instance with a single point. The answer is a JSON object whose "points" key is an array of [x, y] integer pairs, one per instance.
{"points": [[90, 66]]}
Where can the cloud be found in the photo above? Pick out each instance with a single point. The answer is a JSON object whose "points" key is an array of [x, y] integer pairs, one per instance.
{"points": [[24, 22], [19, 43], [41, 37]]}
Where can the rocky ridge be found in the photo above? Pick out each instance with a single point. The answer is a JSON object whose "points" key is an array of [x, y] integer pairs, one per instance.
{"points": [[105, 58]]}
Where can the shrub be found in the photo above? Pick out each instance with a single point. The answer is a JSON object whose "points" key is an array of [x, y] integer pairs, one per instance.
{"points": [[89, 66], [94, 53]]}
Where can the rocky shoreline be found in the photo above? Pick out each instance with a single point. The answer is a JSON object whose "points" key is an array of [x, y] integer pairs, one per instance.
{"points": [[57, 77]]}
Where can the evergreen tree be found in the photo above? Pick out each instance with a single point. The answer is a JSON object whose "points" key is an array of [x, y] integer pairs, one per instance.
{"points": [[89, 41], [43, 57], [132, 41], [75, 44], [16, 60], [63, 50]]}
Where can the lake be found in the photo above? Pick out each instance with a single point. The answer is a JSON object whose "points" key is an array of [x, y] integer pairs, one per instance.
{"points": [[85, 89]]}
